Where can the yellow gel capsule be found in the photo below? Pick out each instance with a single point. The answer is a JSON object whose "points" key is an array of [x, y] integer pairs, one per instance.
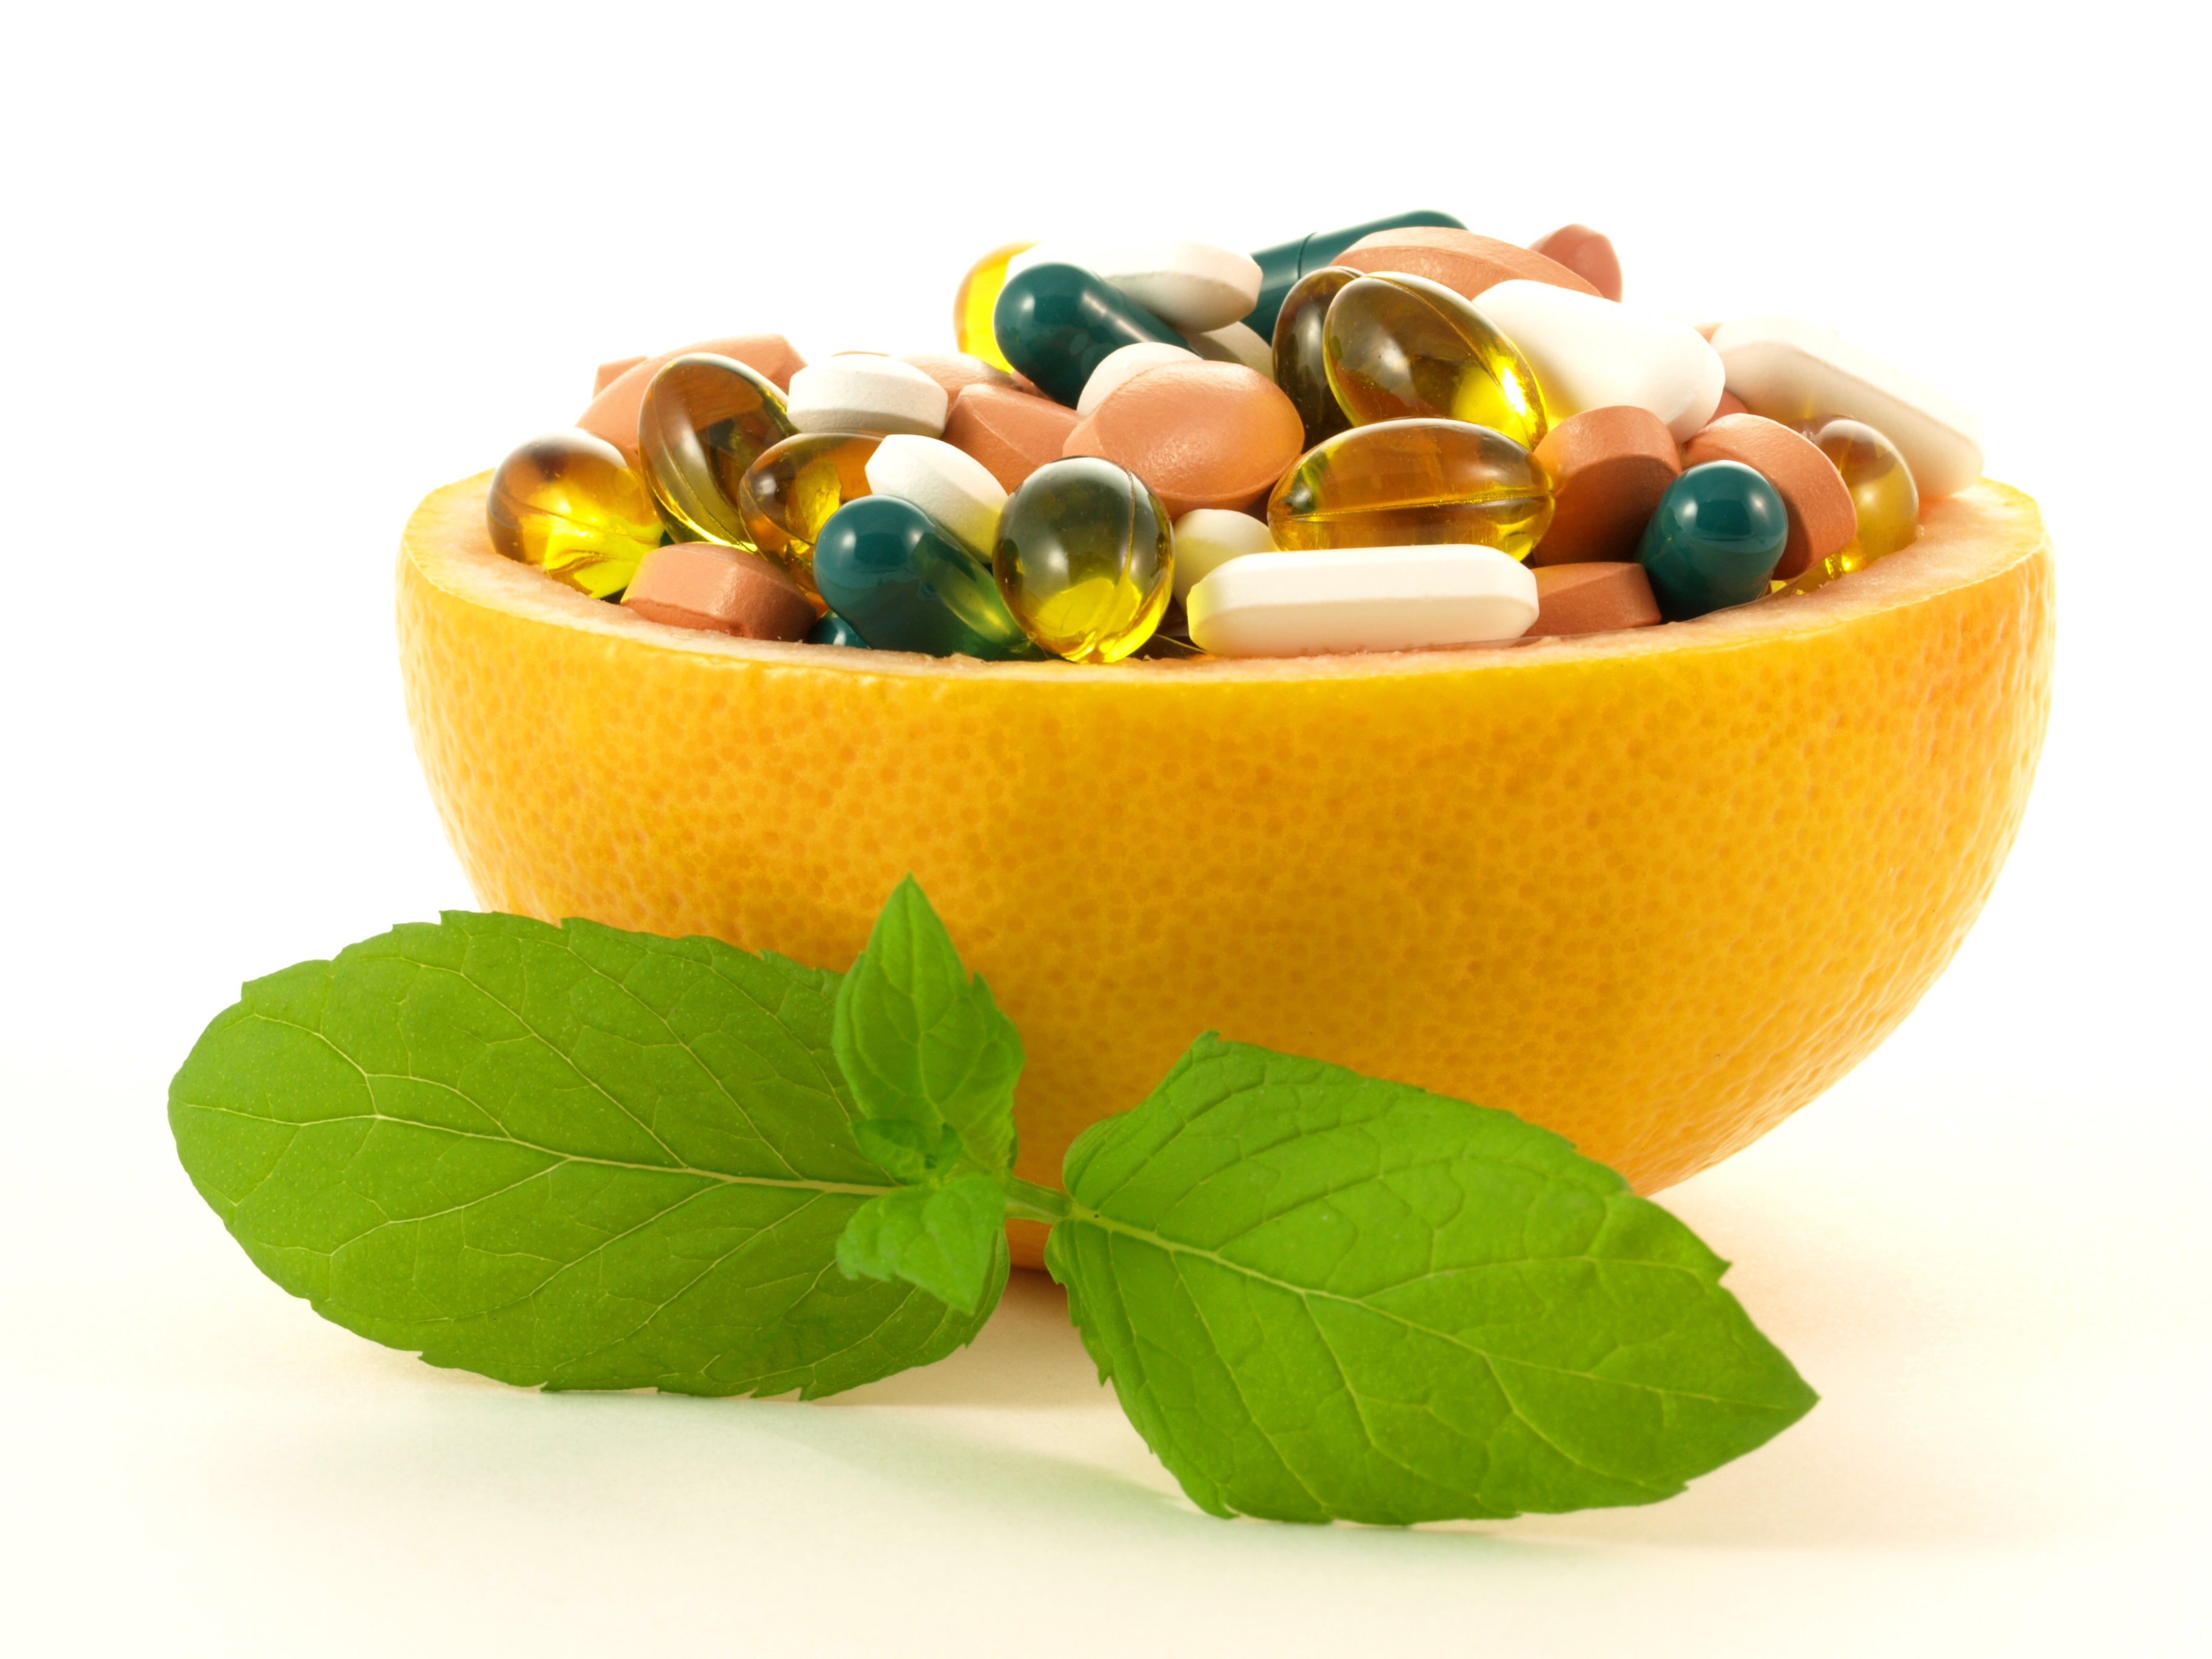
{"points": [[1403, 347], [1412, 484], [1882, 490], [1085, 559], [1301, 367], [567, 503], [703, 422], [977, 298], [790, 492]]}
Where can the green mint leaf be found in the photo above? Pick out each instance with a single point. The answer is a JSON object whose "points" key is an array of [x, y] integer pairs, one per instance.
{"points": [[1322, 1296], [911, 1152], [921, 1042], [569, 1155], [949, 1239]]}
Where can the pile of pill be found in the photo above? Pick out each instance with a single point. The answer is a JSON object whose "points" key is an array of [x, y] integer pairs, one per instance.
{"points": [[1401, 435]]}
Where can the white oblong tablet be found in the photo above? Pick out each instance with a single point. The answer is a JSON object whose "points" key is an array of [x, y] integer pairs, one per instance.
{"points": [[1791, 371], [1123, 365], [1235, 344], [862, 392], [1590, 353], [1366, 598], [1207, 538], [949, 484]]}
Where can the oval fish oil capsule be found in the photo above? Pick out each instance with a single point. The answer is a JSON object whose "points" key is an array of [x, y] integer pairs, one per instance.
{"points": [[1300, 367], [1085, 559], [975, 297], [1283, 266], [703, 421], [792, 490], [1792, 372], [1713, 541], [612, 412], [1886, 506], [1379, 598], [1055, 323], [1593, 353], [1403, 483], [904, 583], [567, 503], [1402, 348]]}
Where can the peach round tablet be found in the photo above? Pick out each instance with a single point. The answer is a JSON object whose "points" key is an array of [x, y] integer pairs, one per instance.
{"points": [[1609, 467], [608, 374], [1201, 435], [1586, 252], [1118, 367], [1012, 433], [706, 585], [1463, 261], [956, 371], [1821, 516], [612, 415], [1592, 599]]}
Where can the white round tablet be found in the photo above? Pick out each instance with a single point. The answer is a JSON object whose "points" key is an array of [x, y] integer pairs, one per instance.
{"points": [[1236, 344], [1590, 353], [1207, 538], [949, 484], [1123, 365], [862, 392], [1361, 598]]}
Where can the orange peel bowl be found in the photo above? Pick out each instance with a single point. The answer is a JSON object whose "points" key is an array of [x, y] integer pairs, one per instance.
{"points": [[1656, 890]]}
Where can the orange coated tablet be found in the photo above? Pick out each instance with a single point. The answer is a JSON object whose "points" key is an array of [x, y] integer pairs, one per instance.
{"points": [[1592, 599], [1201, 435], [1012, 433], [1609, 467], [1463, 261], [956, 371], [608, 374], [1586, 252], [1822, 517], [705, 585], [612, 414]]}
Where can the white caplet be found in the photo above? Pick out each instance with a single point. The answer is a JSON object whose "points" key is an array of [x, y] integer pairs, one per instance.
{"points": [[1790, 371], [1590, 353], [1123, 365], [862, 392], [1366, 598], [1235, 344], [1193, 287], [1207, 538], [949, 484]]}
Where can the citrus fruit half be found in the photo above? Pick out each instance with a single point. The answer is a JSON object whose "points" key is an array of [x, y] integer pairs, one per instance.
{"points": [[1656, 890]]}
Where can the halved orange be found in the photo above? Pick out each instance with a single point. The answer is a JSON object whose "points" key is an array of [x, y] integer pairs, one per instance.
{"points": [[1657, 890]]}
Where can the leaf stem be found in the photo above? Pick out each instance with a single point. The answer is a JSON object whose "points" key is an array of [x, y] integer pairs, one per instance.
{"points": [[1027, 1202]]}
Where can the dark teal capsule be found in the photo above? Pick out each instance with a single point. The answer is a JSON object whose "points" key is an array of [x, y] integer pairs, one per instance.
{"points": [[834, 629], [903, 582], [1056, 322], [1282, 264], [1714, 540]]}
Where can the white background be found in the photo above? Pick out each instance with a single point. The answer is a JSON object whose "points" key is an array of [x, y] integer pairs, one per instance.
{"points": [[271, 275]]}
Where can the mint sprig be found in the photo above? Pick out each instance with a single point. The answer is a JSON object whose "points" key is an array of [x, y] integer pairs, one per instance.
{"points": [[1320, 1295], [579, 1157]]}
